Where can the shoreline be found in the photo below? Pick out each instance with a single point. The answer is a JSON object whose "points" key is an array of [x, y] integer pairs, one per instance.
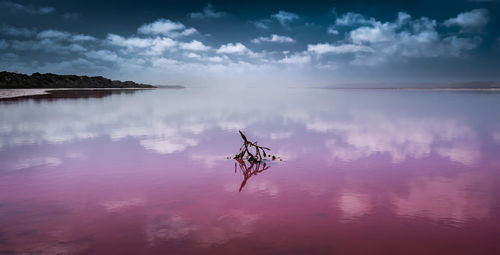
{"points": [[18, 93]]}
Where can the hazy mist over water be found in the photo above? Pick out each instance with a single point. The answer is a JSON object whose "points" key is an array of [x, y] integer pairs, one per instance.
{"points": [[409, 171]]}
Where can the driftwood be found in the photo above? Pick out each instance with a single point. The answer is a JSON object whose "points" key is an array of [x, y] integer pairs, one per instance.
{"points": [[251, 151]]}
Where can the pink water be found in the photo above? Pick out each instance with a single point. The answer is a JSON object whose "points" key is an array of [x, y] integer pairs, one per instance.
{"points": [[364, 172]]}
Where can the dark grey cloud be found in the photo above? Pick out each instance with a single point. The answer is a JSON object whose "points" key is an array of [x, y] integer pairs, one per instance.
{"points": [[208, 12], [30, 9], [71, 16], [17, 32], [285, 17], [474, 20]]}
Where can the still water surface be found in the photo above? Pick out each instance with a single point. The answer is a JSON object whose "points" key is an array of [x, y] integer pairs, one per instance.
{"points": [[363, 172]]}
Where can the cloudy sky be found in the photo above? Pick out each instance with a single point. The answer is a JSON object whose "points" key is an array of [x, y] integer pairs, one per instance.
{"points": [[310, 43]]}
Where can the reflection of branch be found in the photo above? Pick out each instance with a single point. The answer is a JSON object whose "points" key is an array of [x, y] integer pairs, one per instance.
{"points": [[248, 171]]}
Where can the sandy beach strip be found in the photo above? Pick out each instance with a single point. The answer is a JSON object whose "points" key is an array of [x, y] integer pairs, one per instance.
{"points": [[11, 93]]}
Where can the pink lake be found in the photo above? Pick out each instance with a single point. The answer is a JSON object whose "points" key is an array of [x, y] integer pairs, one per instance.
{"points": [[363, 172]]}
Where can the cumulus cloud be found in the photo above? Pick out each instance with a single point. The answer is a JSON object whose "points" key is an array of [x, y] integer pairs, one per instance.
{"points": [[324, 48], [53, 34], [373, 42], [192, 55], [105, 55], [296, 59], [352, 19], [16, 7], [80, 37], [332, 31], [470, 21], [148, 46], [62, 35], [284, 17], [262, 24], [194, 46], [166, 27], [233, 48], [208, 12], [360, 42], [274, 38], [378, 33]]}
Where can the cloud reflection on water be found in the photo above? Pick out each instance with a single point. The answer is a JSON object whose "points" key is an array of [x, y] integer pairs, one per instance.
{"points": [[349, 157], [172, 121], [457, 199]]}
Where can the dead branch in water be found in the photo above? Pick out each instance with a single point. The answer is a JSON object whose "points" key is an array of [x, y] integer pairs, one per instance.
{"points": [[245, 151]]}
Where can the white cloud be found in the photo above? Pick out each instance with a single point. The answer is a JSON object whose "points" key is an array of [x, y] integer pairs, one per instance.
{"points": [[284, 17], [194, 46], [373, 42], [324, 48], [192, 55], [379, 33], [332, 31], [189, 31], [152, 46], [81, 37], [470, 21], [103, 55], [351, 19], [166, 27], [208, 12], [262, 24], [274, 38], [53, 34], [216, 59], [161, 26], [27, 8], [296, 59], [233, 48]]}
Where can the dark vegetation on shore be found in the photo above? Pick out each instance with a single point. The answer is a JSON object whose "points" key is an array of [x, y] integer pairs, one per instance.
{"points": [[10, 80]]}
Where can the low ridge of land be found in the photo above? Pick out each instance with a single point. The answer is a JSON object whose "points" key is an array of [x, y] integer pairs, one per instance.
{"points": [[10, 80]]}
